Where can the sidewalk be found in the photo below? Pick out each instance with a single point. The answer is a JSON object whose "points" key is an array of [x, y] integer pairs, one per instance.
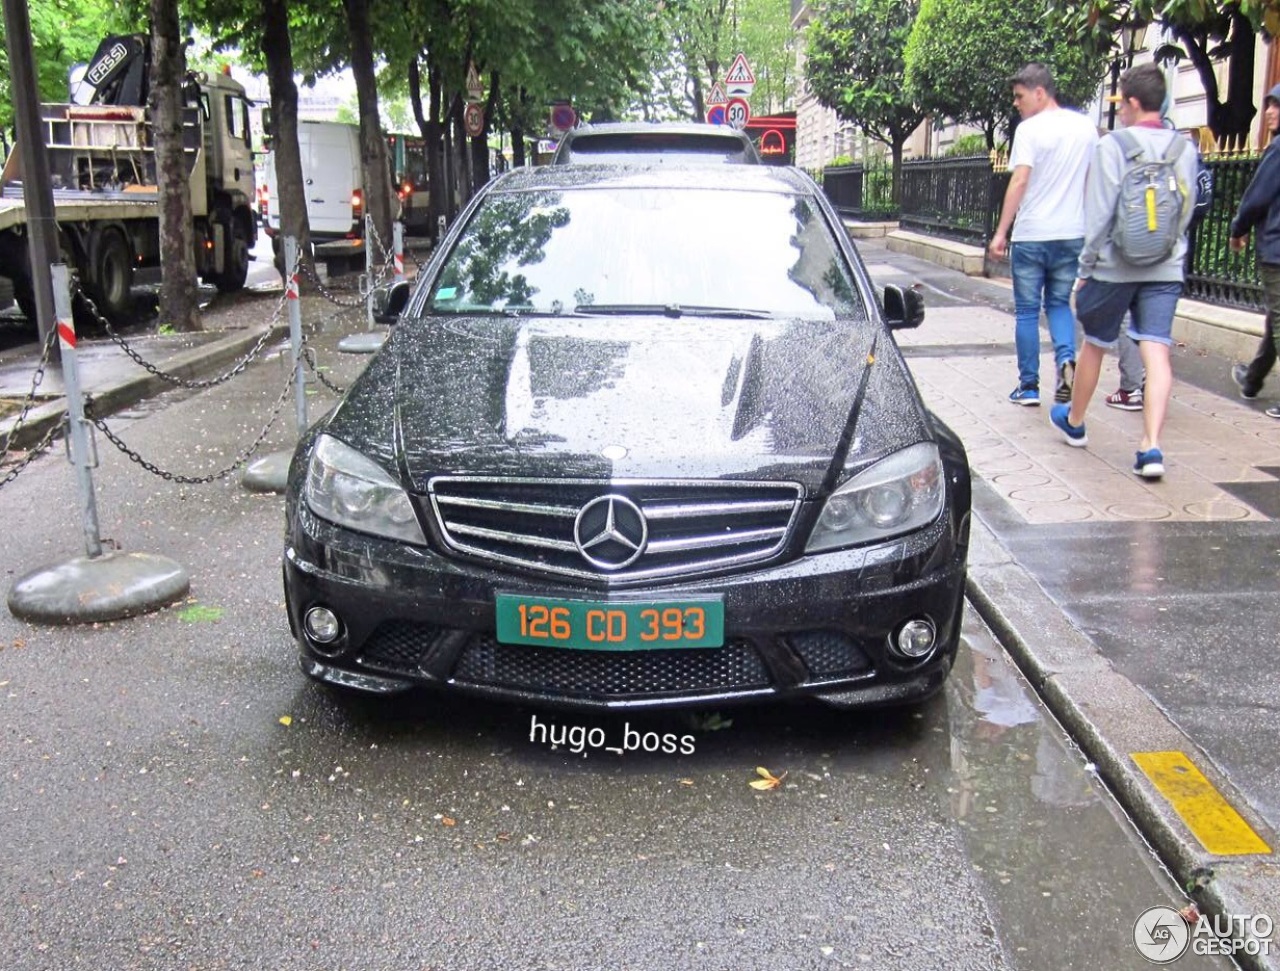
{"points": [[1145, 613]]}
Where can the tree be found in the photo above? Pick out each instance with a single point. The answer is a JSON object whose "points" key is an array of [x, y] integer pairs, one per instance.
{"points": [[855, 66], [1206, 32], [962, 53], [178, 296]]}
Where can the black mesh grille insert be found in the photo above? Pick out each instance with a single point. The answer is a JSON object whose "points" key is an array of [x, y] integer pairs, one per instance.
{"points": [[616, 675], [397, 645], [829, 652]]}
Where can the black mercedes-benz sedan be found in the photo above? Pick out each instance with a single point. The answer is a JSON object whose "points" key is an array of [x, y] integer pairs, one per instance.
{"points": [[640, 437]]}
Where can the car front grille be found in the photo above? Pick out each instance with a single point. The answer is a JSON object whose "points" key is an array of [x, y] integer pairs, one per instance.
{"points": [[693, 527], [618, 674], [829, 653], [398, 645]]}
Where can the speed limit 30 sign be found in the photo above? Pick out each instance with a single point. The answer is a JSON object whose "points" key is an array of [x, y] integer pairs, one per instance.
{"points": [[737, 113]]}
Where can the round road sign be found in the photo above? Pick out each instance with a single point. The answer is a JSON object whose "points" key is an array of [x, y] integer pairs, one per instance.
{"points": [[563, 117], [715, 115], [473, 119], [737, 112]]}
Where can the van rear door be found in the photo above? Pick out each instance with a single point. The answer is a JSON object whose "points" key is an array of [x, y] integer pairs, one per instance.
{"points": [[331, 175]]}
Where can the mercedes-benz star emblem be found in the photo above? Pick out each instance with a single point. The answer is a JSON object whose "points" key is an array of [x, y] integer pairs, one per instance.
{"points": [[610, 532]]}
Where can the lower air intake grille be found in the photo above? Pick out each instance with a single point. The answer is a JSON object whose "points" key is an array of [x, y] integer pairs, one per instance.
{"points": [[398, 645], [612, 675], [828, 653]]}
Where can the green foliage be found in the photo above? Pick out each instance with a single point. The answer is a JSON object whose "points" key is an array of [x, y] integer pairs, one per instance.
{"points": [[63, 33], [855, 64], [971, 144], [962, 53]]}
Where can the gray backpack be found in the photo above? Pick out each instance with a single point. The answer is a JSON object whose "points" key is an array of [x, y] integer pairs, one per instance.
{"points": [[1149, 209]]}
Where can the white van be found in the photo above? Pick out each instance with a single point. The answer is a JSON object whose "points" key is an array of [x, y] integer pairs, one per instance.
{"points": [[332, 180]]}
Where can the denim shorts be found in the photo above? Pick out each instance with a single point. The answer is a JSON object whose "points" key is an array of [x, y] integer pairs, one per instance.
{"points": [[1101, 306]]}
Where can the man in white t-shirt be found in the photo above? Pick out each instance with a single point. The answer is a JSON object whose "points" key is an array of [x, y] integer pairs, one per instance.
{"points": [[1052, 147]]}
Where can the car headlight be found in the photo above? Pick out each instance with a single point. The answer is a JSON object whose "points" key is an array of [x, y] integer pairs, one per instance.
{"points": [[352, 490], [897, 495]]}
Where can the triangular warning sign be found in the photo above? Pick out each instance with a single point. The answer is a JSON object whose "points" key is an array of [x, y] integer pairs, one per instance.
{"points": [[717, 96], [739, 72]]}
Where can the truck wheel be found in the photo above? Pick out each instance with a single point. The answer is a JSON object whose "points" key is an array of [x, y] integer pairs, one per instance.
{"points": [[110, 282], [237, 258]]}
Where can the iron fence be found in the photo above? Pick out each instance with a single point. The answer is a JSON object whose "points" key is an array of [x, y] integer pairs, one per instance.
{"points": [[862, 191], [949, 197], [961, 198], [1214, 273]]}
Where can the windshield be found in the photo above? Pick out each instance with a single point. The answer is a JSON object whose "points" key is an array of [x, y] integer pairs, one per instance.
{"points": [[675, 251]]}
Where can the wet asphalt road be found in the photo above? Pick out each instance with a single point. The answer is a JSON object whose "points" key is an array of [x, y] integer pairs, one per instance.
{"points": [[158, 814]]}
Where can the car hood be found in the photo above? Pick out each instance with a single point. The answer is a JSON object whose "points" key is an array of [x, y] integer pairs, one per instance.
{"points": [[629, 398]]}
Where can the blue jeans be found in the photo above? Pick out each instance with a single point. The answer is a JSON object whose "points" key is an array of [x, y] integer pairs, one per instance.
{"points": [[1044, 271]]}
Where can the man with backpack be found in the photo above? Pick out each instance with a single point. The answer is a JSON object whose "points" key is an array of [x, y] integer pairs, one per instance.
{"points": [[1139, 199], [1260, 207]]}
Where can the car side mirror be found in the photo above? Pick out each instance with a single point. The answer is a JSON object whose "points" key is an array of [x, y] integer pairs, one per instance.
{"points": [[389, 301], [903, 308]]}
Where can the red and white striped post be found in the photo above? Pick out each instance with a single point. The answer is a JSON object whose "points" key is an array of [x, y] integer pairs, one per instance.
{"points": [[399, 250], [295, 332]]}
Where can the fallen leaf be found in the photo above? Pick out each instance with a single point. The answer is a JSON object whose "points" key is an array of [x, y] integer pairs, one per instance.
{"points": [[286, 720], [449, 821], [767, 779], [686, 782], [1190, 913]]}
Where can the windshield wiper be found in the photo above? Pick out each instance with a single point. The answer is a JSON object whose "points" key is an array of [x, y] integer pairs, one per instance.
{"points": [[671, 310]]}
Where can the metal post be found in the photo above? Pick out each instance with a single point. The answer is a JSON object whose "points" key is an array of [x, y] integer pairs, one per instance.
{"points": [[399, 244], [295, 332], [81, 454], [368, 269]]}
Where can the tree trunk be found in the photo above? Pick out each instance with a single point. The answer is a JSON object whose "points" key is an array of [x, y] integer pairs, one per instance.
{"points": [[1229, 121], [895, 149], [286, 158], [373, 147], [179, 306], [433, 137]]}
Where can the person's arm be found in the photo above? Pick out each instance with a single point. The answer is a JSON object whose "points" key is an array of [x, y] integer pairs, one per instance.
{"points": [[1261, 192], [1018, 180], [1101, 189]]}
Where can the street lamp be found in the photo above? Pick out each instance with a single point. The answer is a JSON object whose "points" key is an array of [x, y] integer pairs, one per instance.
{"points": [[1132, 39]]}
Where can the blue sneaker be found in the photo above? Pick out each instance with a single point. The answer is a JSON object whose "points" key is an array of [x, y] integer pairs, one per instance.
{"points": [[1074, 434], [1024, 395], [1149, 464]]}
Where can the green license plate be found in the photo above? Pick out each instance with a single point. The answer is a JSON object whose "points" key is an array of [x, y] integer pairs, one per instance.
{"points": [[589, 625]]}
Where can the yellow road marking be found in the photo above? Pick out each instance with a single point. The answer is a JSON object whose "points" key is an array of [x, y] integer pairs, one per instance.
{"points": [[1219, 828]]}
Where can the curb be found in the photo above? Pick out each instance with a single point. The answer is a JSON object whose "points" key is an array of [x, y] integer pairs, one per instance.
{"points": [[120, 395], [1109, 717]]}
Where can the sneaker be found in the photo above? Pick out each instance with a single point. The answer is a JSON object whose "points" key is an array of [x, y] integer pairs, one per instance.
{"points": [[1023, 395], [1149, 464], [1066, 379], [1074, 434], [1240, 375], [1273, 411], [1126, 400]]}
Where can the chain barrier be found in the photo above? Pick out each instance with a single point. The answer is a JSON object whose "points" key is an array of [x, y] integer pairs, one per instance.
{"points": [[325, 292], [174, 379], [240, 460], [47, 439], [309, 358]]}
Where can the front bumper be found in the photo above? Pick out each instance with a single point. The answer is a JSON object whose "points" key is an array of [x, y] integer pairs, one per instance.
{"points": [[819, 626]]}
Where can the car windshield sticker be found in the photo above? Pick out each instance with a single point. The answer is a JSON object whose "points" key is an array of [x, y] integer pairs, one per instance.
{"points": [[446, 293]]}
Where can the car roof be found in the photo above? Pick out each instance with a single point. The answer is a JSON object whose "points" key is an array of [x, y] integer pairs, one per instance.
{"points": [[686, 142], [642, 173]]}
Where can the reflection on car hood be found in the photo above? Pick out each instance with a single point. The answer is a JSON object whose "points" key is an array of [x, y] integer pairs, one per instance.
{"points": [[631, 397]]}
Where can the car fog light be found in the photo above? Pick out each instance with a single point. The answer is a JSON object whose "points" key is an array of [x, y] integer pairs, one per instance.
{"points": [[322, 625], [915, 639]]}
